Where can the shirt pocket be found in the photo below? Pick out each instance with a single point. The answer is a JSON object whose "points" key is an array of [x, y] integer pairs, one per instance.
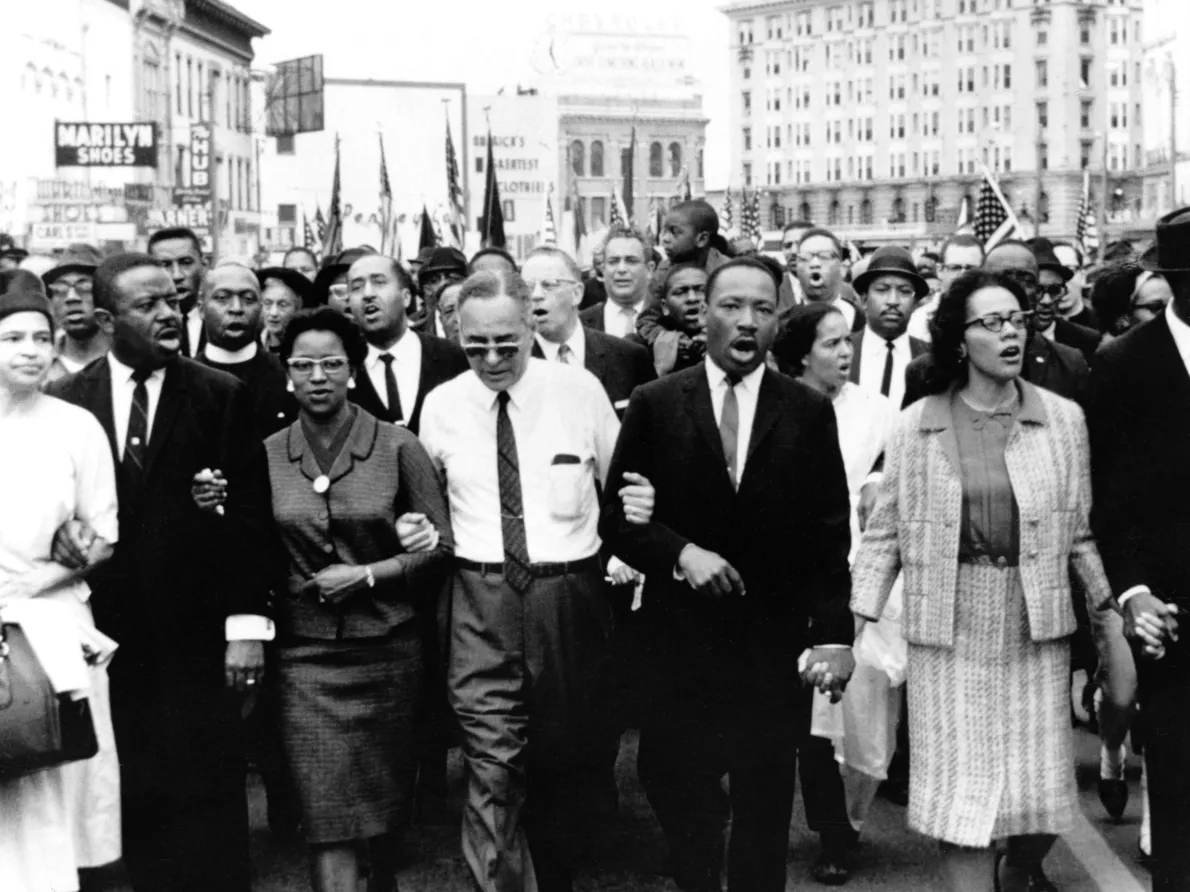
{"points": [[569, 483]]}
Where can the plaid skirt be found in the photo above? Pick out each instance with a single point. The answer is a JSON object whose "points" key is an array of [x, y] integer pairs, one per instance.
{"points": [[348, 713]]}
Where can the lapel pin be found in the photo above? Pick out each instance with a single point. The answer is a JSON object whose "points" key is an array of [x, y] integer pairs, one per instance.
{"points": [[322, 484]]}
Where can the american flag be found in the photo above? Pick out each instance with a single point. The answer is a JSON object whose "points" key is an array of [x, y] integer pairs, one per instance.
{"points": [[727, 216], [1088, 228], [319, 224], [389, 236], [308, 240], [454, 192], [332, 242], [580, 224], [750, 215], [995, 220], [684, 185], [616, 216], [549, 233]]}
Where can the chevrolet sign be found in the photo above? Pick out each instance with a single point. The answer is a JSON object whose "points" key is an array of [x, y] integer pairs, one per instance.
{"points": [[105, 145]]}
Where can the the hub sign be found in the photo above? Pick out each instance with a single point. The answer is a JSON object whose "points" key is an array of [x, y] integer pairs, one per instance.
{"points": [[105, 145]]}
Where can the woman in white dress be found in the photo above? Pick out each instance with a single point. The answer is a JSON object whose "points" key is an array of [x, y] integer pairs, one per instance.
{"points": [[55, 467]]}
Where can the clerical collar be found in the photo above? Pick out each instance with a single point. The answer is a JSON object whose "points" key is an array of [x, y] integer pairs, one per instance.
{"points": [[230, 357]]}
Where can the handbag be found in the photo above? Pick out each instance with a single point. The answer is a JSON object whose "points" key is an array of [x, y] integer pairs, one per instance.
{"points": [[38, 727]]}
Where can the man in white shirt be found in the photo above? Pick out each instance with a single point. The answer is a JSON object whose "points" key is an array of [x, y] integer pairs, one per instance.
{"points": [[820, 274], [179, 252], [960, 253], [627, 266], [522, 444], [890, 288]]}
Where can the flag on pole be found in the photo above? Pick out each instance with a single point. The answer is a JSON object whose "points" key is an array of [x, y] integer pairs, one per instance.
{"points": [[727, 216], [549, 233], [964, 222], [995, 219], [319, 225], [332, 242], [750, 215], [427, 238], [684, 184], [456, 222], [308, 241], [491, 226], [616, 215], [628, 190], [1088, 226], [389, 237], [580, 224], [656, 219]]}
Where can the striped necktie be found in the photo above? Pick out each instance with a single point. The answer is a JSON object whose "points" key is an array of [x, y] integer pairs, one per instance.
{"points": [[136, 439], [512, 511]]}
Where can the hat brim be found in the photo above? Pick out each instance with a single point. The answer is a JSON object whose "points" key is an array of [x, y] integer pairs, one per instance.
{"points": [[1148, 261], [321, 289], [52, 275], [861, 282], [295, 281], [1058, 268]]}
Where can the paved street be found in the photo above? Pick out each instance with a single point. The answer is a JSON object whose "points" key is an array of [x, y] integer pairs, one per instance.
{"points": [[1098, 857]]}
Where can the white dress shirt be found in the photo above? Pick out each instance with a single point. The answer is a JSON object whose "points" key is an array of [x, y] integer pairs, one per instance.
{"points": [[1181, 339], [919, 322], [621, 321], [577, 343], [847, 308], [238, 627], [193, 323], [1048, 333], [406, 368], [556, 410], [871, 365], [747, 392]]}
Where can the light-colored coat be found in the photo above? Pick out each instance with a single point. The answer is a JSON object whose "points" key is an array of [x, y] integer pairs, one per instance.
{"points": [[916, 524]]}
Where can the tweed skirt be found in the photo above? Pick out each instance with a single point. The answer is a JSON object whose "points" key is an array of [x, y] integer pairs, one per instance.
{"points": [[348, 711], [991, 748]]}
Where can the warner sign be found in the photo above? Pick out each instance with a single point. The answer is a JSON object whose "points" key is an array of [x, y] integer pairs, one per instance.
{"points": [[105, 145]]}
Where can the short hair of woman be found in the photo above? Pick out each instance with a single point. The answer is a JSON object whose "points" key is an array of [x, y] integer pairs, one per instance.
{"points": [[801, 331], [326, 319]]}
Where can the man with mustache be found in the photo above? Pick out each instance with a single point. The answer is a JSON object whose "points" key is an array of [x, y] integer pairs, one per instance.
{"points": [[69, 285], [745, 563], [186, 592], [179, 252], [890, 289]]}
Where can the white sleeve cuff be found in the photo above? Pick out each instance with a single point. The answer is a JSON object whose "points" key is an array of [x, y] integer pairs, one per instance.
{"points": [[1135, 590], [832, 647], [874, 477], [249, 627], [614, 564]]}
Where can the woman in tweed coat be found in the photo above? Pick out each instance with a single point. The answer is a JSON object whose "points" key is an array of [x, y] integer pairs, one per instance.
{"points": [[984, 506]]}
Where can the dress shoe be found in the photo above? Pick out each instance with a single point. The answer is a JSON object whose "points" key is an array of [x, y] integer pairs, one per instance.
{"points": [[1114, 796], [831, 869]]}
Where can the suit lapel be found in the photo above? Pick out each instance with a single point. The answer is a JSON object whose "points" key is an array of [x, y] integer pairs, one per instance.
{"points": [[936, 420], [537, 352], [168, 405], [698, 404], [769, 407], [594, 359], [1167, 357], [98, 398], [366, 397]]}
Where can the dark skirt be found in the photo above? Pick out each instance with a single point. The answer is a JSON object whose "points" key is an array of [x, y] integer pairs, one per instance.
{"points": [[347, 719]]}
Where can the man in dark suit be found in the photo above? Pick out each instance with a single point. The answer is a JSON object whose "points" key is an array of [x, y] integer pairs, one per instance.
{"points": [[1138, 416], [1052, 283], [186, 592], [750, 498], [627, 265], [180, 254], [402, 365], [889, 290], [619, 364]]}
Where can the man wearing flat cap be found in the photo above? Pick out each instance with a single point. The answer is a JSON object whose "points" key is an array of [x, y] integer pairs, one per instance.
{"points": [[1138, 417], [444, 266], [83, 336]]}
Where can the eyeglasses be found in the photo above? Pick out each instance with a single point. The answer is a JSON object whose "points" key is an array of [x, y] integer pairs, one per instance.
{"points": [[503, 352], [81, 288], [548, 286], [823, 256], [994, 322], [1054, 291], [328, 365], [958, 267]]}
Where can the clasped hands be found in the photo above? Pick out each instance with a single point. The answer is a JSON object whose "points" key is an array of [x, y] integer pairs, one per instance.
{"points": [[1152, 622]]}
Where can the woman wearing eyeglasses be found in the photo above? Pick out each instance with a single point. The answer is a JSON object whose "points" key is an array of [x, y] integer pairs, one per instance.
{"points": [[349, 642], [984, 506]]}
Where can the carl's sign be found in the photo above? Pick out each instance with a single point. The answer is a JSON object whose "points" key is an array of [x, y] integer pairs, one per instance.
{"points": [[105, 145]]}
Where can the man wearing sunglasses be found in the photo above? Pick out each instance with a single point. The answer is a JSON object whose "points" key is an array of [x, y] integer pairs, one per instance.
{"points": [[1052, 288], [69, 285]]}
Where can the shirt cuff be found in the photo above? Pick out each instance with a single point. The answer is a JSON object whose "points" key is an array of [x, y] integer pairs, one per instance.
{"points": [[832, 647], [614, 564], [874, 477], [249, 627], [1135, 590]]}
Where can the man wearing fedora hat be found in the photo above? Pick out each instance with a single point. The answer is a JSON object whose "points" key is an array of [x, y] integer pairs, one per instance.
{"points": [[889, 291], [1138, 417], [330, 285], [1052, 283], [444, 266], [83, 335]]}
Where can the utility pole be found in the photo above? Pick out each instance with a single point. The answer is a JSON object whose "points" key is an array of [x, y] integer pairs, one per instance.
{"points": [[1172, 69], [1040, 192]]}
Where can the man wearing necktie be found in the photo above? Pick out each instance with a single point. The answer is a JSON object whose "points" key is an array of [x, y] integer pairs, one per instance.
{"points": [[180, 254], [186, 592], [745, 562], [889, 290], [627, 265], [523, 444]]}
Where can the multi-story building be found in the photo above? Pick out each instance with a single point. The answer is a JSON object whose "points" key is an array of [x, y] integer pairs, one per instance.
{"points": [[877, 117]]}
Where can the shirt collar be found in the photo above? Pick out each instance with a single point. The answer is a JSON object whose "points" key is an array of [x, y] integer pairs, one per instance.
{"points": [[1048, 333], [616, 309], [518, 394], [230, 357], [1180, 331], [402, 350], [716, 376], [575, 342], [122, 374]]}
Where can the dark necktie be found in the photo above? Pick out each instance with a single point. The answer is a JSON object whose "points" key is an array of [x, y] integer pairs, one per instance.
{"points": [[729, 429], [185, 326], [512, 513], [564, 354], [886, 381], [390, 389], [136, 440]]}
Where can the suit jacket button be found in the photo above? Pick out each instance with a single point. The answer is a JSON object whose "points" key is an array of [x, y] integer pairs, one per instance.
{"points": [[328, 547], [1001, 561]]}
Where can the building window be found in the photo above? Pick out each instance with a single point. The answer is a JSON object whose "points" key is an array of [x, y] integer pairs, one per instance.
{"points": [[656, 168], [1084, 72], [931, 209], [1043, 115], [747, 139], [747, 97], [675, 156], [1043, 38], [578, 158], [747, 174], [509, 207], [1042, 73], [285, 144], [1084, 116], [865, 212], [1043, 156], [597, 158], [804, 212], [1084, 33], [699, 167], [833, 215], [1043, 207], [287, 214], [598, 211]]}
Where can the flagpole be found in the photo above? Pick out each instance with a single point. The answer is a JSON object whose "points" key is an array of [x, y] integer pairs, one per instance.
{"points": [[1000, 195], [488, 194]]}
